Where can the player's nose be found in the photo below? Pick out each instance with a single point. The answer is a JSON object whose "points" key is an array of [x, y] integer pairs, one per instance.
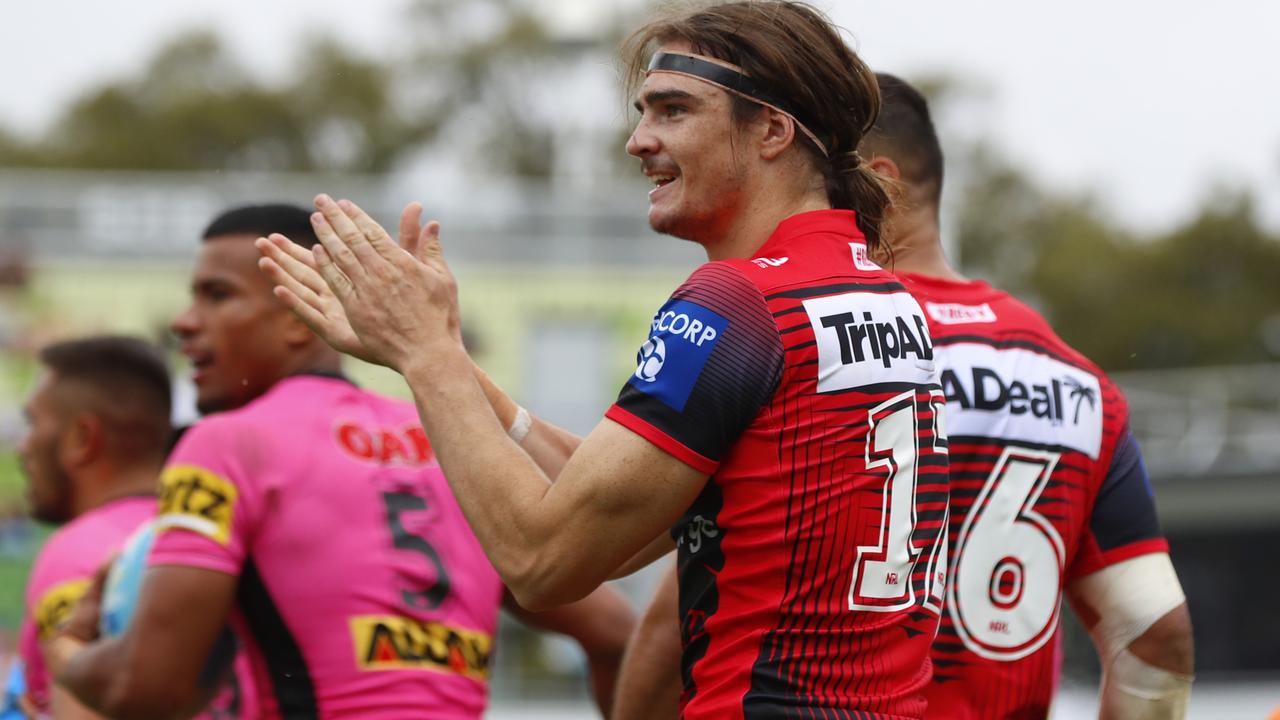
{"points": [[185, 324], [642, 141]]}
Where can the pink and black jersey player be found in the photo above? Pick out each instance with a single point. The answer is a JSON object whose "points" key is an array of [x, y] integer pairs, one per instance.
{"points": [[99, 429], [313, 516], [804, 382], [366, 596]]}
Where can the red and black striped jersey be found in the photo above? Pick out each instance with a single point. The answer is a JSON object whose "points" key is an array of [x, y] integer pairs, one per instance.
{"points": [[811, 566], [1047, 485]]}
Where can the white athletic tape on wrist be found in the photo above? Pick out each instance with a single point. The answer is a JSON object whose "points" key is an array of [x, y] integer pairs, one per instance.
{"points": [[1136, 690], [1129, 597], [521, 425]]}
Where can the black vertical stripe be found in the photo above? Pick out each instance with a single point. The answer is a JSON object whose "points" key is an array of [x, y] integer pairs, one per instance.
{"points": [[290, 677]]}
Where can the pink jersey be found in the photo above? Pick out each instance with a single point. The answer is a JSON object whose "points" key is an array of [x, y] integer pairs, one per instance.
{"points": [[363, 592], [63, 571]]}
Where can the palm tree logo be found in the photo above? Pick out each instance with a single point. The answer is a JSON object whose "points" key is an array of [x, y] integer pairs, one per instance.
{"points": [[1079, 393]]}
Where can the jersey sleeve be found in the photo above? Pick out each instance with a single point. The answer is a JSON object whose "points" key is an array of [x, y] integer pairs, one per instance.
{"points": [[1123, 523], [208, 505], [713, 359], [59, 577]]}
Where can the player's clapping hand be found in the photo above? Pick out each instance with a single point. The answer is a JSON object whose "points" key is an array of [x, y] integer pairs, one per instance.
{"points": [[361, 292]]}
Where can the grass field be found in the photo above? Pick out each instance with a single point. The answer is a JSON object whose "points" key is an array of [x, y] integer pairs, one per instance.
{"points": [[13, 569]]}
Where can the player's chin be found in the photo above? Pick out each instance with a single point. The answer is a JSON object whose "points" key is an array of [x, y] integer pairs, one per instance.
{"points": [[664, 220]]}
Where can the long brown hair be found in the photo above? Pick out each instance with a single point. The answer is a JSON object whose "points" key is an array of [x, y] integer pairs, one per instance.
{"points": [[793, 52]]}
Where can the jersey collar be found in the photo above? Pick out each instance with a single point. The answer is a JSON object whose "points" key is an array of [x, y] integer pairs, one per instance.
{"points": [[840, 223]]}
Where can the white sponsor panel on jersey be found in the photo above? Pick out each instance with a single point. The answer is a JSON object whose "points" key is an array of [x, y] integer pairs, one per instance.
{"points": [[868, 338], [1020, 395]]}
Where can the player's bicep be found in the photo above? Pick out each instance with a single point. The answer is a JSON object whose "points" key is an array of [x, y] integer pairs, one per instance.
{"points": [[64, 706], [661, 545], [622, 491], [180, 615]]}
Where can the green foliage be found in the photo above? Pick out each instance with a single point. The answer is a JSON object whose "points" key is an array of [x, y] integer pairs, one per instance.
{"points": [[476, 66], [1198, 295], [194, 108]]}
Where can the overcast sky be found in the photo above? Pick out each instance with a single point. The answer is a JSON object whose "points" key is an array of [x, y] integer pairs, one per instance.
{"points": [[1146, 104]]}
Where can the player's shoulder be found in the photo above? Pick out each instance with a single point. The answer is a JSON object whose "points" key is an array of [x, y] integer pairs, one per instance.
{"points": [[268, 417], [71, 553]]}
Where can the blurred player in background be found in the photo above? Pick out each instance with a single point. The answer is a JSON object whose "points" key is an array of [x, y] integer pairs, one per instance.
{"points": [[1048, 492], [98, 433], [318, 511], [781, 417], [1048, 489]]}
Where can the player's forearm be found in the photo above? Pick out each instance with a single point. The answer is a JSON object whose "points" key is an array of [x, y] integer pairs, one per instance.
{"points": [[497, 485], [649, 684], [99, 676], [63, 706], [549, 445]]}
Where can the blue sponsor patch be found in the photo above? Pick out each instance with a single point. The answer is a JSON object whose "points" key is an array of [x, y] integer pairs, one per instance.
{"points": [[681, 339]]}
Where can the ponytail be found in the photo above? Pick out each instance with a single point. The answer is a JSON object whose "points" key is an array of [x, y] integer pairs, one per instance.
{"points": [[853, 185]]}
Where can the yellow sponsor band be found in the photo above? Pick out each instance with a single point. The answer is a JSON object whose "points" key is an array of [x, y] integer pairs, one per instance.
{"points": [[54, 607], [388, 642], [198, 500]]}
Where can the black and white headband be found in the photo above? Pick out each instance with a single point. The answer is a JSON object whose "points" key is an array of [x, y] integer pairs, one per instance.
{"points": [[730, 78]]}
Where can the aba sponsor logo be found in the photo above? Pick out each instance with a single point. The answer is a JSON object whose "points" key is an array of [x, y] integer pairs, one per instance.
{"points": [[862, 259], [54, 607], [388, 642], [770, 262], [198, 500], [406, 446], [682, 336], [867, 338], [957, 314], [1056, 400]]}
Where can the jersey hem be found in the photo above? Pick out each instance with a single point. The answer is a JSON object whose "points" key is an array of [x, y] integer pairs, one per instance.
{"points": [[160, 558], [665, 442], [1118, 555]]}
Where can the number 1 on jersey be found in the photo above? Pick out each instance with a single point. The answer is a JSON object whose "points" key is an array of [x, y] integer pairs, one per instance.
{"points": [[883, 573]]}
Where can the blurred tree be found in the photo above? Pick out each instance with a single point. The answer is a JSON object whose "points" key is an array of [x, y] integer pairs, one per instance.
{"points": [[484, 78], [1204, 293], [195, 108]]}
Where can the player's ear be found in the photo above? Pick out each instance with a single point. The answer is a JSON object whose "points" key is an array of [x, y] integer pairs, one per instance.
{"points": [[777, 133], [295, 332], [83, 440], [885, 166]]}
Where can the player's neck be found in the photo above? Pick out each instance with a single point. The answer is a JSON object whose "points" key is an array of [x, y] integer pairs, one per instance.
{"points": [[758, 218], [105, 484], [917, 246], [318, 358]]}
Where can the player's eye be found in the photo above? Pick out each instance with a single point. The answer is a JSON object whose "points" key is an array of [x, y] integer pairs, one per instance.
{"points": [[672, 111]]}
